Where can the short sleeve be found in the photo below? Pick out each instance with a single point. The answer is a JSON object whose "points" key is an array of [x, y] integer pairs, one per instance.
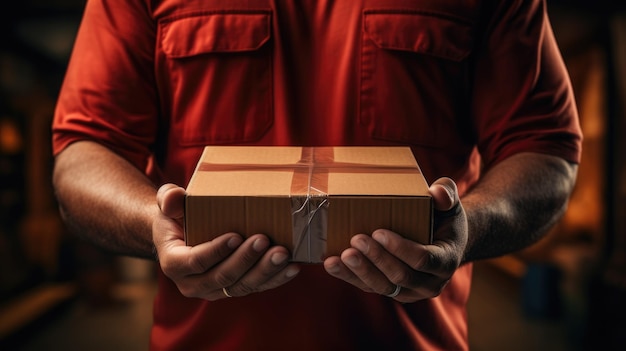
{"points": [[109, 91], [522, 94]]}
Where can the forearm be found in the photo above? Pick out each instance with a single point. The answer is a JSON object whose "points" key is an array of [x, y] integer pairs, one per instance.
{"points": [[515, 204], [105, 199]]}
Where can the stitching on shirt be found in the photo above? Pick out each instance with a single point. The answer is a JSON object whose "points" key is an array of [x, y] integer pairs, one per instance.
{"points": [[200, 13], [443, 15]]}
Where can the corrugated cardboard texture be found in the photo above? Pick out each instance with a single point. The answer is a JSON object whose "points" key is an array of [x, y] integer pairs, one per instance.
{"points": [[310, 200]]}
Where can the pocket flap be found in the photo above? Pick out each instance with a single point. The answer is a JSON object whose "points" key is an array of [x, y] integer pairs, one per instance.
{"points": [[215, 32], [432, 34]]}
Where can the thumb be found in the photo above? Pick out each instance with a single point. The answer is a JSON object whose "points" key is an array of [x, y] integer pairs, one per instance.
{"points": [[171, 200], [445, 194]]}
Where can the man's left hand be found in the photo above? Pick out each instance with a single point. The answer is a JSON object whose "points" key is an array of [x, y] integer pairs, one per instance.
{"points": [[385, 263]]}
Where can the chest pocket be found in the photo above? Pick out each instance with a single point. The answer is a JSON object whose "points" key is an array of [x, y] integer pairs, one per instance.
{"points": [[414, 75], [217, 75]]}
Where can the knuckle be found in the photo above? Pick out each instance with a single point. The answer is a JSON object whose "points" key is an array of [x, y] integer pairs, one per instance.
{"points": [[267, 274], [221, 251], [206, 285], [428, 261], [244, 289], [222, 279], [188, 291], [196, 264], [250, 258], [401, 277], [168, 266], [375, 255]]}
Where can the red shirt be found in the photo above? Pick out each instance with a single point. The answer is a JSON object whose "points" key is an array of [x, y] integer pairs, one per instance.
{"points": [[465, 84]]}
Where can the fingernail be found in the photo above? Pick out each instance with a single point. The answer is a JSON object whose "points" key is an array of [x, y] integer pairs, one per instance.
{"points": [[291, 272], [234, 242], [259, 245], [352, 261], [451, 194], [333, 268], [361, 245], [380, 237], [278, 258], [164, 188]]}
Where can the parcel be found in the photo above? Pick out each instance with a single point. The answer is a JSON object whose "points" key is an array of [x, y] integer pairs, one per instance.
{"points": [[311, 200]]}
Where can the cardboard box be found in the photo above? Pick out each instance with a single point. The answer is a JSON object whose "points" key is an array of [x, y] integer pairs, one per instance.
{"points": [[311, 200]]}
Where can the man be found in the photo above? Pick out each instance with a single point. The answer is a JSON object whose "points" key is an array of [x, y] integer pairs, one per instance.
{"points": [[477, 89]]}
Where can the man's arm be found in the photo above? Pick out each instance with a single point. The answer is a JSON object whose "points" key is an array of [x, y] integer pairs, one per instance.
{"points": [[515, 203], [105, 199], [511, 207], [109, 202]]}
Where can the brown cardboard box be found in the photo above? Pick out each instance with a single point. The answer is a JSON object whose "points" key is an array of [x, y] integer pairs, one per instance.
{"points": [[312, 200]]}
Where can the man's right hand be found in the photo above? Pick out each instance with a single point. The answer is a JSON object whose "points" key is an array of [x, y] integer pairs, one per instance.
{"points": [[225, 266]]}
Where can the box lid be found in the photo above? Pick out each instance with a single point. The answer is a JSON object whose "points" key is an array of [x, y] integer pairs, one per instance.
{"points": [[292, 171]]}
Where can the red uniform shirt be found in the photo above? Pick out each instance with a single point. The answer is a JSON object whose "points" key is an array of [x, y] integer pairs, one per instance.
{"points": [[465, 84]]}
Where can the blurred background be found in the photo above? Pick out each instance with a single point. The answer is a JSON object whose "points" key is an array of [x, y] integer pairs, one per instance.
{"points": [[567, 292]]}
